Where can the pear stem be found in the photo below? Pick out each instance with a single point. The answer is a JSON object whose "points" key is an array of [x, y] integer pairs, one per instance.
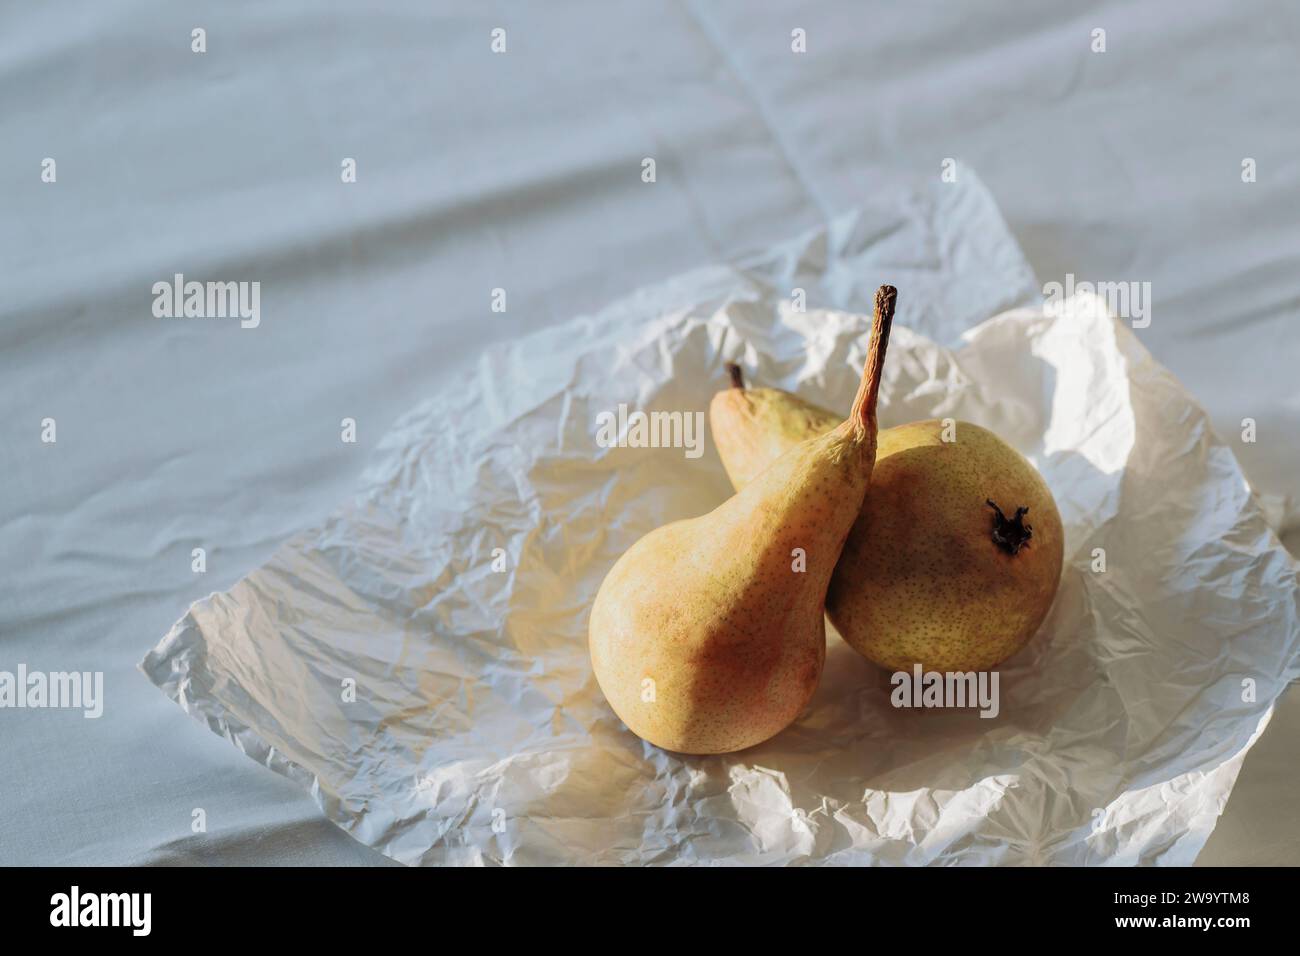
{"points": [[863, 415], [737, 376]]}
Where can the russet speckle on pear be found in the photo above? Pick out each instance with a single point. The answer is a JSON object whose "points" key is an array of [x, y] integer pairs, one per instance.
{"points": [[939, 569], [704, 637]]}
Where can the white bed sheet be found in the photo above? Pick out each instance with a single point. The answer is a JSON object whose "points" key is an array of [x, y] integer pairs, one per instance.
{"points": [[522, 171]]}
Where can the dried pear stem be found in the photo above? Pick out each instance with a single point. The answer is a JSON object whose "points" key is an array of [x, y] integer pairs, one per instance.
{"points": [[737, 376], [863, 414]]}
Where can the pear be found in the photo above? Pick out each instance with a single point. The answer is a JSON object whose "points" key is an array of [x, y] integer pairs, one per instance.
{"points": [[955, 559], [752, 427], [708, 635]]}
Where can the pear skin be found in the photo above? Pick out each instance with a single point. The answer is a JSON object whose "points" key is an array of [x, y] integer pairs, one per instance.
{"points": [[708, 635], [752, 427], [938, 570]]}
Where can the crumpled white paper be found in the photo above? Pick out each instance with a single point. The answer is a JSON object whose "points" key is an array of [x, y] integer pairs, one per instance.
{"points": [[478, 733]]}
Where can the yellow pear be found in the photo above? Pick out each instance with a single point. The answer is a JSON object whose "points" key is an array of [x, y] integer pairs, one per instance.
{"points": [[955, 559], [752, 427], [708, 635]]}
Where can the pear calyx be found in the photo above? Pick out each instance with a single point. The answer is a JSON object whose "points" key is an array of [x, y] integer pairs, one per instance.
{"points": [[1010, 534]]}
